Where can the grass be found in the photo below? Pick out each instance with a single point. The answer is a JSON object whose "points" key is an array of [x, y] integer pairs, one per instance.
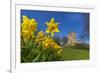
{"points": [[75, 54]]}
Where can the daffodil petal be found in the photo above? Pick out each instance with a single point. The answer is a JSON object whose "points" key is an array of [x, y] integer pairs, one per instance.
{"points": [[47, 31], [46, 23], [57, 30], [25, 19], [52, 20]]}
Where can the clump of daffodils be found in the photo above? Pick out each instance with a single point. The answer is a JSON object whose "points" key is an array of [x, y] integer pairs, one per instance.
{"points": [[28, 27], [39, 49]]}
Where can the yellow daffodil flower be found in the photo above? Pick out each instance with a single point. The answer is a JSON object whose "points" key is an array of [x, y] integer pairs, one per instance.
{"points": [[57, 46], [41, 34], [40, 37], [47, 43], [28, 26], [50, 43], [52, 27]]}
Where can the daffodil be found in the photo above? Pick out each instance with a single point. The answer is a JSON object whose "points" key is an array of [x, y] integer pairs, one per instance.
{"points": [[52, 27], [47, 43], [56, 46], [40, 34], [50, 43], [28, 26], [40, 37]]}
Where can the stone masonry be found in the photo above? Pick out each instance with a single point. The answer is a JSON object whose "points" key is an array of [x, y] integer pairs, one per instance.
{"points": [[72, 39]]}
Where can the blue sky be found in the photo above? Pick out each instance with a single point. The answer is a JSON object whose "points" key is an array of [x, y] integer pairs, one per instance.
{"points": [[68, 21]]}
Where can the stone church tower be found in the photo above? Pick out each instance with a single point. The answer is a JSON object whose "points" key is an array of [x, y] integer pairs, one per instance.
{"points": [[72, 39]]}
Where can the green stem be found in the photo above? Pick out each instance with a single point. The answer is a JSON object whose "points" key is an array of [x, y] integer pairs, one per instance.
{"points": [[36, 57]]}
